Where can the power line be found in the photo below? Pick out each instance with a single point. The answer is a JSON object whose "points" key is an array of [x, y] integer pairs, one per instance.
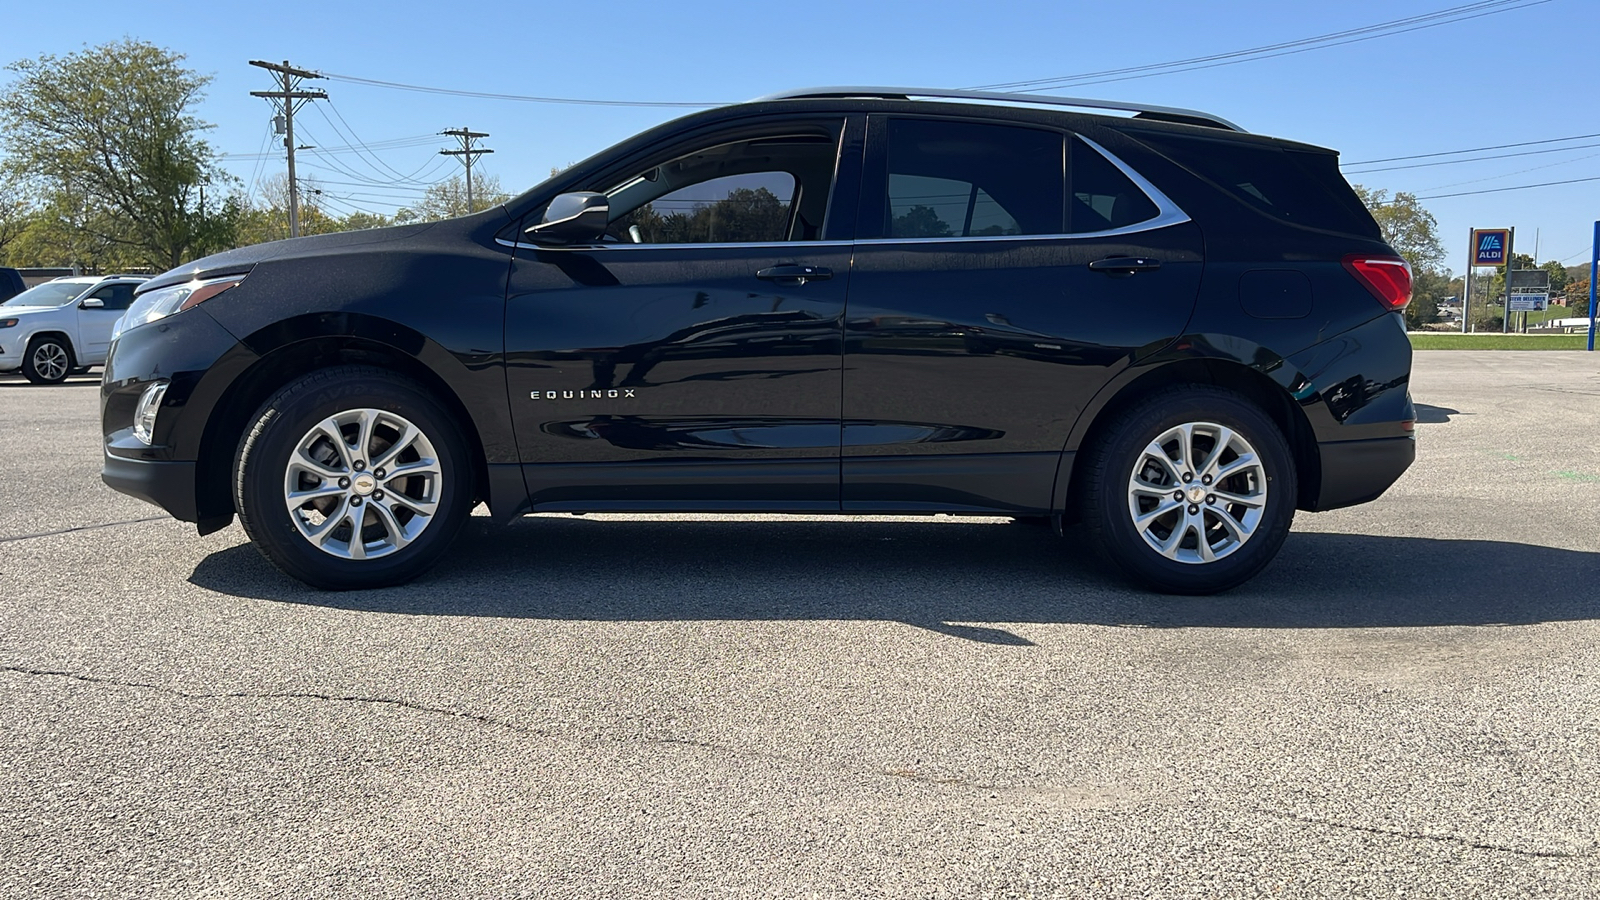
{"points": [[356, 139], [255, 171], [1473, 159], [1564, 162], [383, 178], [390, 144], [523, 98], [1520, 187], [1576, 137], [1446, 16]]}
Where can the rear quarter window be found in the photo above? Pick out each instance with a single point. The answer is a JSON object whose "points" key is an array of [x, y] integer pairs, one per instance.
{"points": [[1296, 186]]}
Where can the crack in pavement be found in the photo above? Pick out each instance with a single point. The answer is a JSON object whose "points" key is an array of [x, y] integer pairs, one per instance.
{"points": [[29, 537], [1416, 835], [661, 741]]}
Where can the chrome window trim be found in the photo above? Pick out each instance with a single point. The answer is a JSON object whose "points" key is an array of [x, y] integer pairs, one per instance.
{"points": [[731, 246], [1167, 214]]}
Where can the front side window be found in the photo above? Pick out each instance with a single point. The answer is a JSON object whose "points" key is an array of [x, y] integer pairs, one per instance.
{"points": [[115, 296], [760, 190], [963, 179]]}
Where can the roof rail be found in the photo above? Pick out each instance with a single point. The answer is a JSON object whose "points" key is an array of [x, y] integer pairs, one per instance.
{"points": [[1165, 113]]}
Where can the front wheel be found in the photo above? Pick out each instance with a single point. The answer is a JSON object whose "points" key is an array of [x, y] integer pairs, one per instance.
{"points": [[1191, 491], [352, 477], [47, 361]]}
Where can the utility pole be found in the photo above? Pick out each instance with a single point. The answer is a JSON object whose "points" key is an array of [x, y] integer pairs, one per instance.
{"points": [[468, 152], [292, 99]]}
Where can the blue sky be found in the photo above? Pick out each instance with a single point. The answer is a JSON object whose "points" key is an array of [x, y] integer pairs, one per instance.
{"points": [[1515, 76]]}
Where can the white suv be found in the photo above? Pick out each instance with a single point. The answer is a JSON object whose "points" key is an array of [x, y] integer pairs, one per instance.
{"points": [[53, 329]]}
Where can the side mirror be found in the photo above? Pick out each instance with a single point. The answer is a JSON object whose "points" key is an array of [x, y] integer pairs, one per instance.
{"points": [[92, 303], [577, 218]]}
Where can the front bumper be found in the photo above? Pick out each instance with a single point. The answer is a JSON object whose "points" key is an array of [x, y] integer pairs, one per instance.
{"points": [[198, 359], [168, 484]]}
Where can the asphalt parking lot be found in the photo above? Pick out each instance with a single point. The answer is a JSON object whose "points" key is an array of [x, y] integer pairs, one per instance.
{"points": [[1406, 702]]}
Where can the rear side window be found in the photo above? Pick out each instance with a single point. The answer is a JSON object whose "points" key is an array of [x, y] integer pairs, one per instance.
{"points": [[965, 179], [1291, 185], [1102, 198]]}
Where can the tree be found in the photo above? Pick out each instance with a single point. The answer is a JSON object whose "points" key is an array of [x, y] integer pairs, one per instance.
{"points": [[1578, 296], [16, 211], [919, 222], [361, 220], [109, 130], [1413, 232], [1407, 227], [448, 199], [743, 215], [1558, 277]]}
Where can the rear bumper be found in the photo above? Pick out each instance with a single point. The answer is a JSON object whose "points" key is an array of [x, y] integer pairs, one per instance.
{"points": [[168, 484], [1358, 471]]}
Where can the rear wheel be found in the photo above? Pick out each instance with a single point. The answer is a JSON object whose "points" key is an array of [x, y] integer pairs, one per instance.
{"points": [[1192, 491], [352, 478], [47, 360]]}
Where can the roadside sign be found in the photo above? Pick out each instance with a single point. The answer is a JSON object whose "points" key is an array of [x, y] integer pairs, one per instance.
{"points": [[1489, 246], [1524, 300]]}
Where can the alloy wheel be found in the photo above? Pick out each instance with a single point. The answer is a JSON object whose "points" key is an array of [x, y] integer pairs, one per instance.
{"points": [[50, 361], [362, 484], [1197, 492]]}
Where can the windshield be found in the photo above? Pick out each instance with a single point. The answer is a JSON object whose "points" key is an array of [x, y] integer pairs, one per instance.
{"points": [[51, 293]]}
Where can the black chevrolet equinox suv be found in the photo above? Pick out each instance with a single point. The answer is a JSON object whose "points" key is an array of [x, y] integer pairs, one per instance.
{"points": [[1158, 332]]}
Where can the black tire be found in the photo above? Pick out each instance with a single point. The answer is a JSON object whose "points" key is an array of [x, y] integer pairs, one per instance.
{"points": [[48, 360], [1108, 499], [262, 475]]}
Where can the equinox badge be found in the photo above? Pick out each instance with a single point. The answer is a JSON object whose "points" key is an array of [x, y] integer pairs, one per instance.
{"points": [[579, 395]]}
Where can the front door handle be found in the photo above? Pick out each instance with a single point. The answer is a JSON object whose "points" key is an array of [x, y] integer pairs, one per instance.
{"points": [[794, 274], [1125, 265]]}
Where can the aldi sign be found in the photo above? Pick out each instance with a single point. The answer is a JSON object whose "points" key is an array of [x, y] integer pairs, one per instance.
{"points": [[1489, 246]]}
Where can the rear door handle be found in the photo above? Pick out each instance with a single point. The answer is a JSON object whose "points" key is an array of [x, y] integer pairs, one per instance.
{"points": [[1125, 265], [794, 274]]}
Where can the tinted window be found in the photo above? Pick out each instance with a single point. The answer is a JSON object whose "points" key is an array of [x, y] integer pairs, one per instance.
{"points": [[760, 190], [960, 179], [121, 296], [1102, 197], [1295, 186], [734, 208]]}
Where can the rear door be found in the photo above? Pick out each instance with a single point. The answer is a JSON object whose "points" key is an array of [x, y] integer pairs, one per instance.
{"points": [[1004, 274]]}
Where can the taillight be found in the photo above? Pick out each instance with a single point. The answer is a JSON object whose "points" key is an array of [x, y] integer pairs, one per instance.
{"points": [[1387, 277]]}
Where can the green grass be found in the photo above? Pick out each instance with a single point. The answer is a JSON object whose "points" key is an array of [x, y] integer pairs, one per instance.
{"points": [[1452, 341]]}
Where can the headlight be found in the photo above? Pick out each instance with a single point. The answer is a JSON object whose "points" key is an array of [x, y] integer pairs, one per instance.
{"points": [[163, 302]]}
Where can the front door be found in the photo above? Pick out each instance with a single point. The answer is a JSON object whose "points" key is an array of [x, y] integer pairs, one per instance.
{"points": [[95, 322], [692, 360]]}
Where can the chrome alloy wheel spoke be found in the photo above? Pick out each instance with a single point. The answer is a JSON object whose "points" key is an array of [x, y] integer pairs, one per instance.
{"points": [[1197, 492], [362, 484]]}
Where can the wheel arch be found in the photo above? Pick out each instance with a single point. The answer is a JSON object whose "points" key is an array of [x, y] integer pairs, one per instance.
{"points": [[54, 331], [286, 354], [1250, 382]]}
